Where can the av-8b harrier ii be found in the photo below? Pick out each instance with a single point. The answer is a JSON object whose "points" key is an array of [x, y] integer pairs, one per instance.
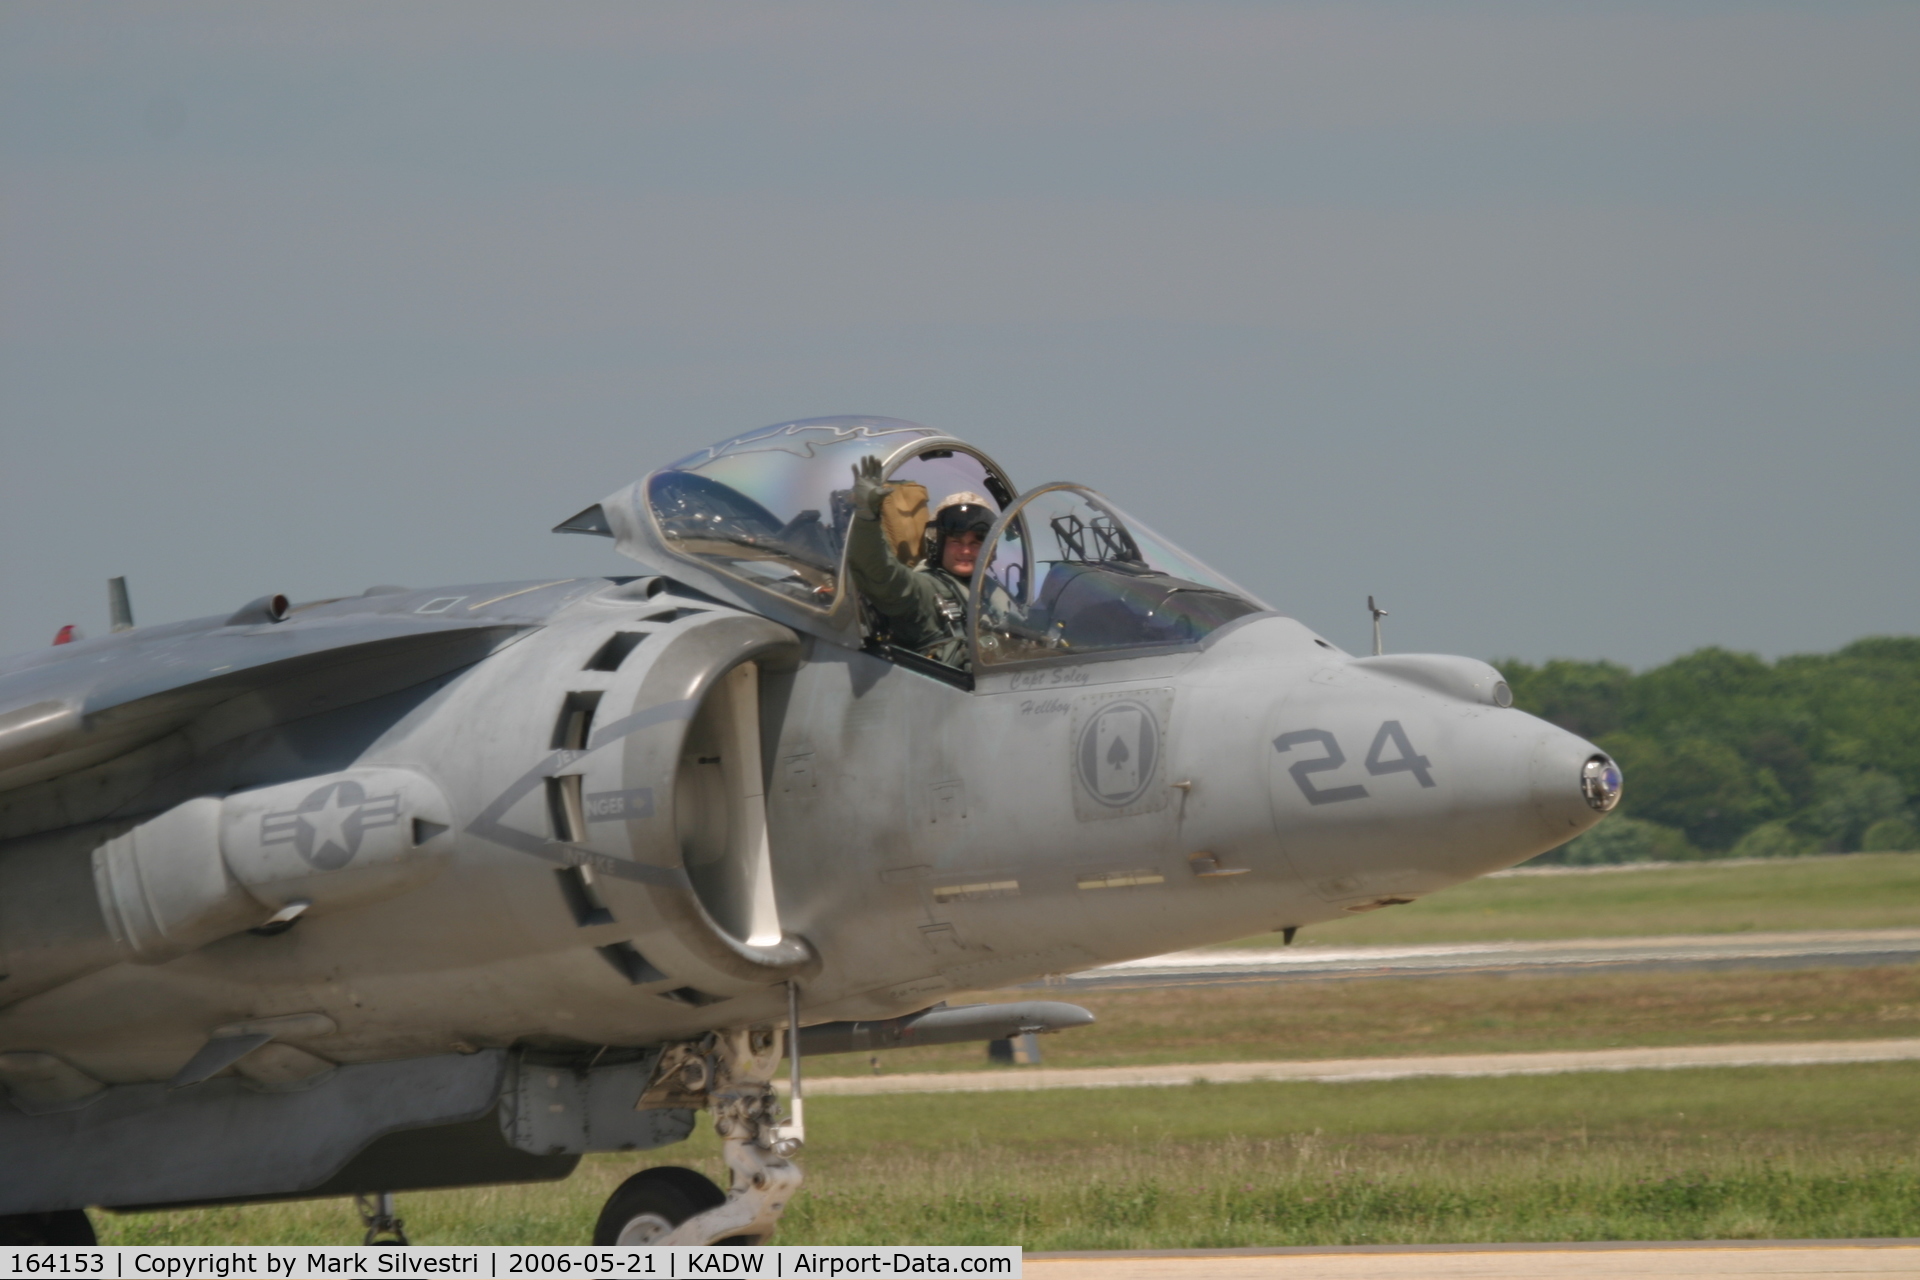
{"points": [[436, 888]]}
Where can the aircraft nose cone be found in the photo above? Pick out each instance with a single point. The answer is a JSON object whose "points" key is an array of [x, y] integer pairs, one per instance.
{"points": [[1383, 790]]}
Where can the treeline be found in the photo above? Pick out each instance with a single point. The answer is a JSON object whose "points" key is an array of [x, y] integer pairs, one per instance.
{"points": [[1730, 756]]}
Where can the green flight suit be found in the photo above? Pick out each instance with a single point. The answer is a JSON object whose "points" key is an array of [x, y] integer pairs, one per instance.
{"points": [[926, 608]]}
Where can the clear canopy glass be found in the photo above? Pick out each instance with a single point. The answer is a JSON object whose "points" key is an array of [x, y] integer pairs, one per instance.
{"points": [[771, 506], [1067, 574]]}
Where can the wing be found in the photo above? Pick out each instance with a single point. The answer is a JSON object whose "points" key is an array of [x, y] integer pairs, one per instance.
{"points": [[70, 708]]}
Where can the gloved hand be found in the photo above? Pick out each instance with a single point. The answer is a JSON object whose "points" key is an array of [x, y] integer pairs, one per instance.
{"points": [[869, 490]]}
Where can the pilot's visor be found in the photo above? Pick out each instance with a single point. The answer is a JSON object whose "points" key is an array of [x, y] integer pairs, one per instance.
{"points": [[964, 518]]}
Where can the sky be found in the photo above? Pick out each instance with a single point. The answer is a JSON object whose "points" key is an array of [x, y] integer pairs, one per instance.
{"points": [[1565, 330]]}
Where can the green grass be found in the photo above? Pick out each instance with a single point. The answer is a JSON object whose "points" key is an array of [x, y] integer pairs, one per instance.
{"points": [[1697, 1154], [1856, 891], [1268, 1021]]}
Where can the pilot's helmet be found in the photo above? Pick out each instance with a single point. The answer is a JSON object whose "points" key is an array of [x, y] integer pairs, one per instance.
{"points": [[962, 512]]}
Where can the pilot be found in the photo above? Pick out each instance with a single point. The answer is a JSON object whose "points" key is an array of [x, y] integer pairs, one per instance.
{"points": [[925, 607]]}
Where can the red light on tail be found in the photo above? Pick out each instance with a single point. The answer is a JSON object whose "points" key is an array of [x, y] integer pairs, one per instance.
{"points": [[68, 634]]}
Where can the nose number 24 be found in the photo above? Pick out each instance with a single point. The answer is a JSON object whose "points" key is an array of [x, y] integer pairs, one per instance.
{"points": [[1405, 760]]}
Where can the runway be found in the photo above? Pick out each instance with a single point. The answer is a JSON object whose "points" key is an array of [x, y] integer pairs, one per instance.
{"points": [[1726, 1260], [1350, 1070], [1689, 951]]}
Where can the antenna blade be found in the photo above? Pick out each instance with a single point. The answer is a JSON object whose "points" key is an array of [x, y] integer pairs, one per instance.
{"points": [[119, 607]]}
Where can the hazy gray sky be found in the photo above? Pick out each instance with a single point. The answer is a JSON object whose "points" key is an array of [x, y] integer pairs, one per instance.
{"points": [[1586, 330]]}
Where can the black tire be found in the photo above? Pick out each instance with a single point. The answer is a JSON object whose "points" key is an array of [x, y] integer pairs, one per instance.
{"points": [[63, 1226], [668, 1195]]}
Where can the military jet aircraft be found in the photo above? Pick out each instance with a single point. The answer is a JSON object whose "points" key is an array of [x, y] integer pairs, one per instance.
{"points": [[427, 888]]}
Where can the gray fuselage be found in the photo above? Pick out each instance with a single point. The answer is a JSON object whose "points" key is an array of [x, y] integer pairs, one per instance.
{"points": [[924, 840]]}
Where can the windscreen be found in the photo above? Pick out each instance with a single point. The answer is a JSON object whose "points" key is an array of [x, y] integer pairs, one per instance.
{"points": [[772, 506], [1068, 575]]}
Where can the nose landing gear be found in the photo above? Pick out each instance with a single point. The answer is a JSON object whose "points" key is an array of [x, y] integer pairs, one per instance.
{"points": [[667, 1205], [651, 1203]]}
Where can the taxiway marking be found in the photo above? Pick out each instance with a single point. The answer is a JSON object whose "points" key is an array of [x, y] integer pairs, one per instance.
{"points": [[1349, 1070]]}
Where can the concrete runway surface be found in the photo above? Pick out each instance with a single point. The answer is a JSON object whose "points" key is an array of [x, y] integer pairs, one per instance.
{"points": [[1344, 1070], [1315, 962], [1726, 1260]]}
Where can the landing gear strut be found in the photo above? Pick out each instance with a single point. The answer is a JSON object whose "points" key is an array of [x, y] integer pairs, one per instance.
{"points": [[732, 1073], [376, 1215]]}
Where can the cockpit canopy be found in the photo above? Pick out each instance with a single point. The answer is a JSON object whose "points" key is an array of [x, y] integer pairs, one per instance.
{"points": [[1069, 576], [772, 506], [761, 521]]}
